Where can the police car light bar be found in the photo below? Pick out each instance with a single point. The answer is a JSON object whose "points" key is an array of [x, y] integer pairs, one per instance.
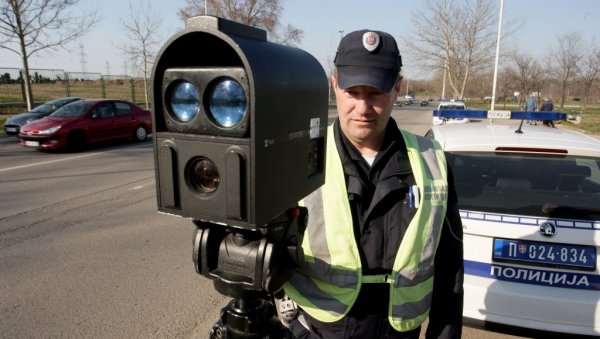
{"points": [[481, 114]]}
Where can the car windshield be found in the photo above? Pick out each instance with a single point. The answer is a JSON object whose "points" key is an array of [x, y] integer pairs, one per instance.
{"points": [[50, 106], [75, 109], [44, 108], [567, 187], [451, 106]]}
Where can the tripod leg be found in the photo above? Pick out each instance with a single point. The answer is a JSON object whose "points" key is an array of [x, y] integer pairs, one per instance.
{"points": [[249, 319]]}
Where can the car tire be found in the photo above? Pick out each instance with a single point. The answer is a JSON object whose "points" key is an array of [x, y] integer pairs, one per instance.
{"points": [[76, 141], [140, 133]]}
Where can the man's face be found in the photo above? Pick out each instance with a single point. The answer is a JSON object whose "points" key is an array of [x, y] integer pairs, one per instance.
{"points": [[364, 112]]}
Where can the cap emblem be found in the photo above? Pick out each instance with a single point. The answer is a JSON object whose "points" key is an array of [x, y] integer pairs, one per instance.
{"points": [[370, 41]]}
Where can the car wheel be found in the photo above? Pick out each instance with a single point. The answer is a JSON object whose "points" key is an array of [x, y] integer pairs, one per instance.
{"points": [[140, 133], [76, 141]]}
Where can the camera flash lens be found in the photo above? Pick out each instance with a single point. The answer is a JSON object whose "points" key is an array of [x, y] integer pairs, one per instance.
{"points": [[227, 103], [185, 102], [204, 176]]}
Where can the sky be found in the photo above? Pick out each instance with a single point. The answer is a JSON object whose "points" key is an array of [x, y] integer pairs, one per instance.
{"points": [[323, 23]]}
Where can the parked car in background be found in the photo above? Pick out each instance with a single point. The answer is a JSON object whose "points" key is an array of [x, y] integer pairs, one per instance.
{"points": [[424, 102], [450, 105], [87, 121], [529, 202], [13, 124]]}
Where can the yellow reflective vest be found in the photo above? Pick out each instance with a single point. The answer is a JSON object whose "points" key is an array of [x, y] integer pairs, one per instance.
{"points": [[330, 276]]}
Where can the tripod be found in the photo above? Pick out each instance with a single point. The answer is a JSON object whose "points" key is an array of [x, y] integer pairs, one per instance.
{"points": [[248, 265]]}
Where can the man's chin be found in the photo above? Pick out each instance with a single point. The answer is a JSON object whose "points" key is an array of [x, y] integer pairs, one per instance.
{"points": [[363, 134]]}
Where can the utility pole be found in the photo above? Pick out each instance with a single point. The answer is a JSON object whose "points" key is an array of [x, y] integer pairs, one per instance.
{"points": [[82, 58]]}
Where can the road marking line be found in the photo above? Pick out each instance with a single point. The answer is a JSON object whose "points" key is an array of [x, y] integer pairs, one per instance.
{"points": [[59, 160], [45, 162]]}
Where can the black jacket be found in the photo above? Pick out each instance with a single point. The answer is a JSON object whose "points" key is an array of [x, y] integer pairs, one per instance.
{"points": [[378, 196]]}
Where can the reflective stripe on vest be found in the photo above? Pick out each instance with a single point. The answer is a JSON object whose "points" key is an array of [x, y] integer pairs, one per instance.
{"points": [[330, 276], [410, 295]]}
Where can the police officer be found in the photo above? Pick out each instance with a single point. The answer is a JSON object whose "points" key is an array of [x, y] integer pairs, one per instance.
{"points": [[383, 246]]}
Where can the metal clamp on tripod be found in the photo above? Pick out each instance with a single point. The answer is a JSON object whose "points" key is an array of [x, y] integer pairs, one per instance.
{"points": [[246, 265]]}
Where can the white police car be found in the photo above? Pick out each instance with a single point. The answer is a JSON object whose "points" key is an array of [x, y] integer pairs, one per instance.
{"points": [[449, 105], [529, 199]]}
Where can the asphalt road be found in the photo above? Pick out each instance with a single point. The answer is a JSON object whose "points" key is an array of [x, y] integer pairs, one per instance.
{"points": [[84, 253]]}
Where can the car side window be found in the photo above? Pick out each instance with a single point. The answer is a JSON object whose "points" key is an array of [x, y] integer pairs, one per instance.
{"points": [[104, 110], [122, 108]]}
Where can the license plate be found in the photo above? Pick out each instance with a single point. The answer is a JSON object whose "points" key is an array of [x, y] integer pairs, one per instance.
{"points": [[11, 129], [545, 254], [31, 143], [498, 115]]}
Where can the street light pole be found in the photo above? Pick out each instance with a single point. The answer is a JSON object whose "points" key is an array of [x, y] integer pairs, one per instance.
{"points": [[497, 56], [444, 83], [445, 66]]}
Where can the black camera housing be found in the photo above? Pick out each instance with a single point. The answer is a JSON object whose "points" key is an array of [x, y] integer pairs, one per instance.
{"points": [[266, 162]]}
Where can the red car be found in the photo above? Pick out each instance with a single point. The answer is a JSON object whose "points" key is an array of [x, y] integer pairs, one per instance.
{"points": [[87, 121]]}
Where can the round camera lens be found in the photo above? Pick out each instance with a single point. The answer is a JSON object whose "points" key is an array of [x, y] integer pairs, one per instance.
{"points": [[185, 102], [227, 103], [204, 176]]}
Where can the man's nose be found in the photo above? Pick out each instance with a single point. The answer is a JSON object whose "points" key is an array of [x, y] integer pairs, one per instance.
{"points": [[363, 106]]}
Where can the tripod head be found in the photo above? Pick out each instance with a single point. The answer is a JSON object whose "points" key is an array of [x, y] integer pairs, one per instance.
{"points": [[246, 265]]}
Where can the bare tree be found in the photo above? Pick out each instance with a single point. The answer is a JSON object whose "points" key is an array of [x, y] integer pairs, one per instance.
{"points": [[288, 35], [258, 13], [564, 62], [526, 74], [590, 71], [458, 36], [141, 28], [30, 26], [505, 91]]}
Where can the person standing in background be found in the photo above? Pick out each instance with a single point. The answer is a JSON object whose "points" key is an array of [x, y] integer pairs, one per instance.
{"points": [[547, 106], [529, 106]]}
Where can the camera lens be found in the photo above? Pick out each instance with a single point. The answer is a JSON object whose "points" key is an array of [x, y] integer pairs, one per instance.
{"points": [[203, 176], [227, 102], [185, 102]]}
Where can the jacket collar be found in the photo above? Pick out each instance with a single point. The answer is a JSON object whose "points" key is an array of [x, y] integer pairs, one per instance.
{"points": [[354, 163]]}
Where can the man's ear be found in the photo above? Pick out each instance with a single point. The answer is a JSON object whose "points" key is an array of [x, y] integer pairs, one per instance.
{"points": [[398, 84], [333, 81]]}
